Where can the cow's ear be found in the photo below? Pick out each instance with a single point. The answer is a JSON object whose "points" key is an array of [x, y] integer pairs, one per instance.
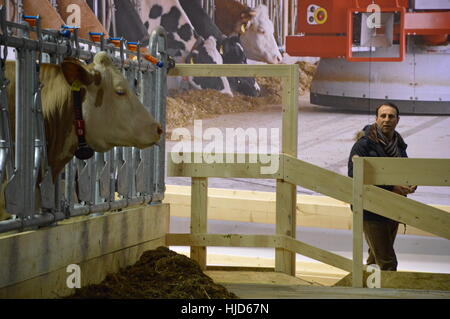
{"points": [[74, 71]]}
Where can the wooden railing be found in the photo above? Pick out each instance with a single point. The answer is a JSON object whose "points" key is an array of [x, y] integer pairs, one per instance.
{"points": [[396, 171], [293, 172]]}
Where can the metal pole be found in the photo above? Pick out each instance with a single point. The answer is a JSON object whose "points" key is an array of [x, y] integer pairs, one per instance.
{"points": [[20, 191], [158, 48]]}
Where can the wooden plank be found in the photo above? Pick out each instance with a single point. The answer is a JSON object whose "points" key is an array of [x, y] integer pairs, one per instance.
{"points": [[255, 277], [290, 112], [93, 271], [407, 211], [377, 200], [199, 216], [411, 171], [270, 291], [318, 254], [224, 240], [240, 70], [286, 192], [317, 179], [262, 241], [36, 253], [233, 166], [259, 207], [285, 225], [357, 229], [405, 280]]}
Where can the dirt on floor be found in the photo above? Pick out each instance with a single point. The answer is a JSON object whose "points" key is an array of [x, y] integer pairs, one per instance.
{"points": [[183, 107], [159, 274]]}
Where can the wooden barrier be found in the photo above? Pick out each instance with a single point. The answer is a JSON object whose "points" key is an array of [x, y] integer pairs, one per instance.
{"points": [[34, 264], [293, 172], [396, 171], [247, 206]]}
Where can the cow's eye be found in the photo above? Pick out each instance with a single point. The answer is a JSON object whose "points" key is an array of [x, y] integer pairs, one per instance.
{"points": [[120, 90]]}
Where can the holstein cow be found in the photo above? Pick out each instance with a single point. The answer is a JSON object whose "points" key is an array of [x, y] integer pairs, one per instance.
{"points": [[254, 27], [112, 112], [205, 52], [181, 36], [229, 47]]}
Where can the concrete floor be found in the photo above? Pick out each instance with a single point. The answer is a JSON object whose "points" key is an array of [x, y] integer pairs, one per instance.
{"points": [[325, 139]]}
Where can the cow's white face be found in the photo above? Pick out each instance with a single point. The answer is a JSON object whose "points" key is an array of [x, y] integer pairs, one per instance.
{"points": [[113, 114], [258, 41]]}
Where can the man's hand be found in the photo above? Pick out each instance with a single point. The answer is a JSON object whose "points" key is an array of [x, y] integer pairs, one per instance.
{"points": [[412, 189], [404, 190]]}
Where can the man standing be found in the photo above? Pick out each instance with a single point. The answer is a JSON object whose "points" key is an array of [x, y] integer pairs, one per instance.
{"points": [[381, 140]]}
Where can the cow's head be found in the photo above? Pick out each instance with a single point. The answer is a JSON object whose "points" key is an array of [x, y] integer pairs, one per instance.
{"points": [[113, 114], [258, 41], [233, 53]]}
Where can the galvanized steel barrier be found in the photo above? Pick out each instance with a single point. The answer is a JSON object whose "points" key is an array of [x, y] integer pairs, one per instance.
{"points": [[118, 179]]}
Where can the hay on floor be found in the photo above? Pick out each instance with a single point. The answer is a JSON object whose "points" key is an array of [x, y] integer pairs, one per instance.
{"points": [[183, 107]]}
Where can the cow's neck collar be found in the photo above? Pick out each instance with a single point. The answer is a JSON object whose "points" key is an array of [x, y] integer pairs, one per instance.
{"points": [[84, 152]]}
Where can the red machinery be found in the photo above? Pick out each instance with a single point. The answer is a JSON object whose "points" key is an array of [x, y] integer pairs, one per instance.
{"points": [[327, 26], [389, 35]]}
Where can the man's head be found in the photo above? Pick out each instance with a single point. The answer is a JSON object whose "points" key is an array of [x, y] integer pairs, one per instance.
{"points": [[387, 118]]}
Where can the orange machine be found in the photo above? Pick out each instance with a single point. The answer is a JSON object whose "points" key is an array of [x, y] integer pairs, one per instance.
{"points": [[332, 28], [374, 51]]}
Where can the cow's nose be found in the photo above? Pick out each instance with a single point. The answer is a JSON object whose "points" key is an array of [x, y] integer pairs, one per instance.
{"points": [[159, 130]]}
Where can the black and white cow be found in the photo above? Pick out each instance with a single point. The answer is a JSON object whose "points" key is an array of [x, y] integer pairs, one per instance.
{"points": [[229, 47], [181, 36], [205, 52]]}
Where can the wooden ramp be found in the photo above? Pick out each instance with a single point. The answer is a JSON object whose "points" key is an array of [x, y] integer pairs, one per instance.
{"points": [[271, 285], [406, 280]]}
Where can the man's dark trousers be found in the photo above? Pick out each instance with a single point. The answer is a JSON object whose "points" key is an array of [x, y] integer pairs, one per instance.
{"points": [[380, 236]]}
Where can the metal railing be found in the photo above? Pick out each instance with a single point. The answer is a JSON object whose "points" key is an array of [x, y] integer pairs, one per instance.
{"points": [[121, 178]]}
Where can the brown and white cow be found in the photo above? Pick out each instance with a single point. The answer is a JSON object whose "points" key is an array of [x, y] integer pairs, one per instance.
{"points": [[112, 112], [254, 26], [231, 17]]}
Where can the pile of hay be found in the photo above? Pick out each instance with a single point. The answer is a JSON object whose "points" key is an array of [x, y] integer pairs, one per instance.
{"points": [[183, 107], [159, 274]]}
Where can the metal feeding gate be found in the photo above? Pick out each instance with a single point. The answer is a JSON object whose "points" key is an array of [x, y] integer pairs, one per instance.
{"points": [[114, 180]]}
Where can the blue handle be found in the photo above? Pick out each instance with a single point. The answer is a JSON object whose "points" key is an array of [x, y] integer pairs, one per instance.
{"points": [[69, 27], [65, 33], [30, 17]]}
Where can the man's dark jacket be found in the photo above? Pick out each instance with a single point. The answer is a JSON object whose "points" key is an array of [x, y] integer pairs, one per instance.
{"points": [[367, 145]]}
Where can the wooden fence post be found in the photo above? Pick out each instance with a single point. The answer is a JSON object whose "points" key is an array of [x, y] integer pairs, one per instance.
{"points": [[286, 205], [358, 190], [199, 216]]}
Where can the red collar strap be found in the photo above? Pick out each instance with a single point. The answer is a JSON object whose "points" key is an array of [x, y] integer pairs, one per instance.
{"points": [[84, 152]]}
